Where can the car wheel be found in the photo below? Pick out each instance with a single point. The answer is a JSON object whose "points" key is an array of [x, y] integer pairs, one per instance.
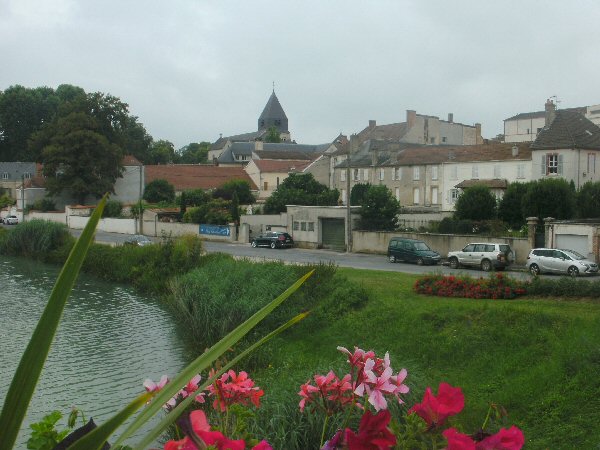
{"points": [[454, 263], [486, 265], [420, 261], [392, 259], [253, 244], [573, 271], [534, 269], [273, 245]]}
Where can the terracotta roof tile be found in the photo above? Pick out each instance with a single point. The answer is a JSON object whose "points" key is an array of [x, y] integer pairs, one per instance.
{"points": [[193, 176], [130, 160]]}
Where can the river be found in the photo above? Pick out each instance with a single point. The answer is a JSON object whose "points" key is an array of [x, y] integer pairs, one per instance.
{"points": [[111, 338]]}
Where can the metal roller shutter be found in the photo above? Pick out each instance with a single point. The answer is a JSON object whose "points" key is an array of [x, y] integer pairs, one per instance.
{"points": [[333, 232]]}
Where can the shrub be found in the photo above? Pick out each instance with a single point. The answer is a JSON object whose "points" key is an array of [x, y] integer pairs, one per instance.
{"points": [[44, 204], [215, 212], [565, 287], [112, 208], [159, 191], [495, 287], [476, 203], [35, 238]]}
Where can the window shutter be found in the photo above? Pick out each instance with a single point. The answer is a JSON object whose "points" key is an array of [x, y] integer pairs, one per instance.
{"points": [[543, 164], [393, 173], [560, 164]]}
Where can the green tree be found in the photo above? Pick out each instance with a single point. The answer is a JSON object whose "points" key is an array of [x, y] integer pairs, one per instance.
{"points": [[379, 209], [476, 203], [79, 159], [510, 208], [273, 135], [588, 200], [300, 189], [358, 193], [162, 152], [550, 197], [239, 187], [194, 153], [215, 212], [159, 191]]}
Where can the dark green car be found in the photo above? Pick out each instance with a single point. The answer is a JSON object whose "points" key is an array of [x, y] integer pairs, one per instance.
{"points": [[411, 250]]}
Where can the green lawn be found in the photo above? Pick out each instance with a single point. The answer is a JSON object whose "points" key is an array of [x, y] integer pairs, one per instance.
{"points": [[540, 359]]}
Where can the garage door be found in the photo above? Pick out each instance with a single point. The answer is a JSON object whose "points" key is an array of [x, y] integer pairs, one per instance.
{"points": [[333, 233], [575, 242]]}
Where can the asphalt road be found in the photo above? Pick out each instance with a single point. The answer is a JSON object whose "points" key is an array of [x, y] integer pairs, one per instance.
{"points": [[310, 256]]}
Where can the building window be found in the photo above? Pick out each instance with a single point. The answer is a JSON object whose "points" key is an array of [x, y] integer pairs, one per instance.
{"points": [[434, 196], [454, 173], [265, 186], [296, 226], [416, 196], [497, 171], [356, 175], [434, 172], [432, 140], [444, 139], [398, 194], [552, 164], [244, 157], [454, 193], [343, 194], [416, 173], [5, 176], [396, 173], [311, 226], [521, 171], [366, 174], [343, 175], [277, 181], [381, 174], [475, 171], [591, 166], [302, 226]]}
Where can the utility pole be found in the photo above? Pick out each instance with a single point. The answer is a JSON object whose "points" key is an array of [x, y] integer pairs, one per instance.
{"points": [[351, 147], [23, 197]]}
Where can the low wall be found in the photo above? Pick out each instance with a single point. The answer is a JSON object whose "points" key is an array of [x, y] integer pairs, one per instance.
{"points": [[179, 229], [255, 224], [59, 217], [110, 225], [377, 242]]}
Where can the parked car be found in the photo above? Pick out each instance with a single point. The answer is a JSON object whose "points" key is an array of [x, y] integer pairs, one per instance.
{"points": [[138, 239], [273, 239], [411, 250], [11, 220], [550, 260], [486, 255]]}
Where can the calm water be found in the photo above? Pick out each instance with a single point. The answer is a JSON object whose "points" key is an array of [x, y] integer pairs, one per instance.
{"points": [[109, 341]]}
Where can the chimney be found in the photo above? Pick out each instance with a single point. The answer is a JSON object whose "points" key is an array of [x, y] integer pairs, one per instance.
{"points": [[550, 112], [450, 117], [478, 138], [258, 145], [372, 124], [515, 151], [411, 118]]}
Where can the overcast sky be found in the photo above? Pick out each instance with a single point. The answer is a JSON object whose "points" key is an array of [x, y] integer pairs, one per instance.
{"points": [[192, 69]]}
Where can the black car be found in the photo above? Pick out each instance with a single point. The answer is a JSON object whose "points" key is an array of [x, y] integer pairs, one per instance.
{"points": [[273, 239]]}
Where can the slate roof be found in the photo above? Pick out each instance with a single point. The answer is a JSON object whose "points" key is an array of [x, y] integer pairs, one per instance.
{"points": [[244, 137], [273, 115], [496, 183], [268, 165], [194, 176], [247, 148], [568, 130], [268, 154], [392, 131], [540, 114], [402, 154]]}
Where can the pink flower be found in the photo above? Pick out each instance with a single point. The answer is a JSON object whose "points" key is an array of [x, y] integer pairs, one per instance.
{"points": [[306, 392], [377, 386], [458, 441], [511, 439], [262, 445], [233, 388], [435, 410], [373, 433], [358, 358], [151, 386]]}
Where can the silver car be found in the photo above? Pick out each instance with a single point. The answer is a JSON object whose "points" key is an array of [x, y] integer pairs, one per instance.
{"points": [[552, 260], [486, 255]]}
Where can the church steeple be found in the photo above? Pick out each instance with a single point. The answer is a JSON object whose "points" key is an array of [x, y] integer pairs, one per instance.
{"points": [[273, 115]]}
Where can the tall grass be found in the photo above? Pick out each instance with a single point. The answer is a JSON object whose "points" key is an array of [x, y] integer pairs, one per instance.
{"points": [[35, 238]]}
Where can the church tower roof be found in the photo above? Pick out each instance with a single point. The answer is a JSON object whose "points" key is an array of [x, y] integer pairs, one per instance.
{"points": [[273, 115]]}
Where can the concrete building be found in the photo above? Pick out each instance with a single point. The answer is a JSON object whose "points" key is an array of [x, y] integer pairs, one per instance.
{"points": [[12, 175]]}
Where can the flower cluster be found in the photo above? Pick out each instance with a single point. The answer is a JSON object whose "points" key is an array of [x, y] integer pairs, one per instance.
{"points": [[370, 377], [232, 388], [497, 286]]}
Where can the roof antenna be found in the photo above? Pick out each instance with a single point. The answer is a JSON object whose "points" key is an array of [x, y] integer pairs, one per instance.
{"points": [[273, 87], [556, 100]]}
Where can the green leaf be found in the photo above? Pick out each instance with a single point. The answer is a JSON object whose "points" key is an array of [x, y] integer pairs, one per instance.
{"points": [[207, 359], [32, 362], [181, 407]]}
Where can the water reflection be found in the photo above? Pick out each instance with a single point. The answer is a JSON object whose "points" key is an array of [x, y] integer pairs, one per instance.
{"points": [[109, 341]]}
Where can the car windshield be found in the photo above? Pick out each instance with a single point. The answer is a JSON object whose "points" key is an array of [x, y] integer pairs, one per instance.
{"points": [[421, 246], [573, 254]]}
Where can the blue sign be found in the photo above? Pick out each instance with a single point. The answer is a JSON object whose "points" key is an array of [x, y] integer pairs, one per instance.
{"points": [[215, 230]]}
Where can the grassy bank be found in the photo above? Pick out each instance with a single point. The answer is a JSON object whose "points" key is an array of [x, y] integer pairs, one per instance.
{"points": [[538, 358]]}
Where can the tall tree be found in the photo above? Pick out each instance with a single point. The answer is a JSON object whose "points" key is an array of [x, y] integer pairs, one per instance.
{"points": [[510, 208], [241, 188], [80, 159], [476, 203], [588, 200], [300, 189], [162, 152], [358, 192], [194, 153], [379, 209], [273, 135], [550, 197]]}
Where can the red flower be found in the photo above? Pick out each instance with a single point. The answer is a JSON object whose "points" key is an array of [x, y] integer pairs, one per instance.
{"points": [[511, 439], [435, 410], [458, 441], [373, 433]]}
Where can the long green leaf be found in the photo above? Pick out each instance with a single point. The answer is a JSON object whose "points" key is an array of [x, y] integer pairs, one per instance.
{"points": [[179, 409], [206, 360], [32, 362], [96, 438]]}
